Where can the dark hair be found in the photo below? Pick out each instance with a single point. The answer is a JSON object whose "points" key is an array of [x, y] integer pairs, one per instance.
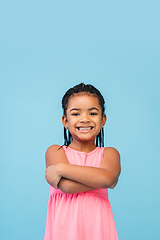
{"points": [[89, 89]]}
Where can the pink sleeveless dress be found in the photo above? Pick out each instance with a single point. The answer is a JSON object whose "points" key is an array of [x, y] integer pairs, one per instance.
{"points": [[81, 216]]}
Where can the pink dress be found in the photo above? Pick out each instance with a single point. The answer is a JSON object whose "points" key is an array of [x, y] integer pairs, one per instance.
{"points": [[81, 216]]}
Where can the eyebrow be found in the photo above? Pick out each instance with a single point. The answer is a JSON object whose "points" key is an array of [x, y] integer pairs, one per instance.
{"points": [[90, 109], [75, 109], [93, 108]]}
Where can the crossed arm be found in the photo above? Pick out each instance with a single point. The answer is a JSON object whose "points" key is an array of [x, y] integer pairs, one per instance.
{"points": [[75, 179]]}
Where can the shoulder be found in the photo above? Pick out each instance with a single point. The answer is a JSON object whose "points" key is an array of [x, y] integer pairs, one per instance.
{"points": [[54, 155], [53, 148], [111, 159], [110, 151]]}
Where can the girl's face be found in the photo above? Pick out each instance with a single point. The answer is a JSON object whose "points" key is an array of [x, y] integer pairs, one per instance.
{"points": [[84, 117]]}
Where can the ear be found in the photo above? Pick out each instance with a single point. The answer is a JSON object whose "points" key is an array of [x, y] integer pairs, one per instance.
{"points": [[103, 121], [65, 121]]}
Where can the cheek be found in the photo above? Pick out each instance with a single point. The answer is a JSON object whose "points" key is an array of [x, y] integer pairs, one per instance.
{"points": [[71, 122]]}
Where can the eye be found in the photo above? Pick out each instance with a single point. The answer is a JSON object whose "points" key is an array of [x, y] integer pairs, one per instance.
{"points": [[75, 114], [93, 113]]}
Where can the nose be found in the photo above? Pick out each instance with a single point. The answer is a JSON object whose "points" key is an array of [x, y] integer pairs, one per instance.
{"points": [[85, 119]]}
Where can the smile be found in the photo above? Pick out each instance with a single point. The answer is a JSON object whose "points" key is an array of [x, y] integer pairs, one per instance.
{"points": [[84, 129]]}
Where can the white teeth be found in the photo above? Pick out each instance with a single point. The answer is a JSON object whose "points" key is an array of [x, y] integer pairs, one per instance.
{"points": [[82, 128]]}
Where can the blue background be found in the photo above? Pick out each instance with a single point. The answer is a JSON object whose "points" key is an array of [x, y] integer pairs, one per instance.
{"points": [[48, 47]]}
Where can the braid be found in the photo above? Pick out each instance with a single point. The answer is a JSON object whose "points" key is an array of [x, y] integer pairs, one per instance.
{"points": [[67, 137], [89, 89]]}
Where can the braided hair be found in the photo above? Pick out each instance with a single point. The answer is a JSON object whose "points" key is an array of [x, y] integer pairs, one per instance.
{"points": [[88, 89]]}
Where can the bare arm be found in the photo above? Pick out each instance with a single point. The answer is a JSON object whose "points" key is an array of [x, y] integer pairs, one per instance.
{"points": [[114, 184], [54, 155], [69, 186], [105, 176]]}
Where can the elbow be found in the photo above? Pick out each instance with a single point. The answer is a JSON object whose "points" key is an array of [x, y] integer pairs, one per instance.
{"points": [[109, 181], [107, 184], [114, 184]]}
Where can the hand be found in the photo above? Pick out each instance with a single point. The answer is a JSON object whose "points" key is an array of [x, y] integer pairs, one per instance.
{"points": [[52, 176]]}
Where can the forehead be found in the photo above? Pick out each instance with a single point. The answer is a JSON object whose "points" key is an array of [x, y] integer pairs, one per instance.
{"points": [[84, 100]]}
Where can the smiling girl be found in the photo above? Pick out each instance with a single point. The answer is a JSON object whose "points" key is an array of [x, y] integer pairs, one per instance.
{"points": [[81, 171]]}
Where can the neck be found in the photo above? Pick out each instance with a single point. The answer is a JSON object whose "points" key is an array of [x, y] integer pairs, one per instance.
{"points": [[83, 146]]}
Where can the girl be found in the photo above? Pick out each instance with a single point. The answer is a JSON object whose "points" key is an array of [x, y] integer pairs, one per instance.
{"points": [[80, 172]]}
